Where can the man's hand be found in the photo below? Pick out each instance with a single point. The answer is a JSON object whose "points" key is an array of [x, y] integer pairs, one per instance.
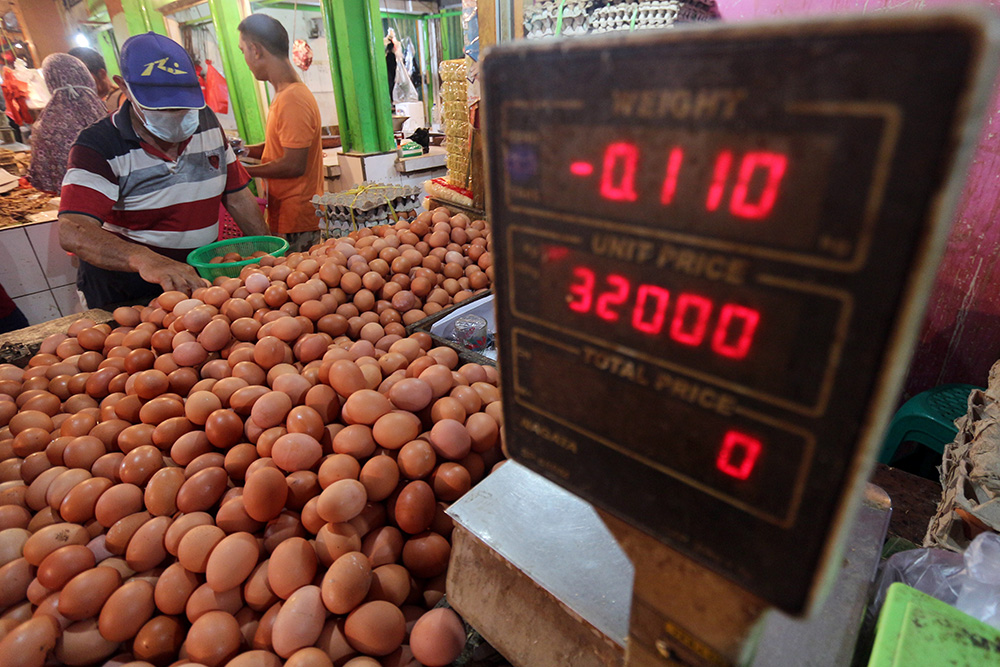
{"points": [[169, 274]]}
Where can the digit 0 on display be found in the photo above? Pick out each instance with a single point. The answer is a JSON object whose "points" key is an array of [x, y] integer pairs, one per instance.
{"points": [[713, 246]]}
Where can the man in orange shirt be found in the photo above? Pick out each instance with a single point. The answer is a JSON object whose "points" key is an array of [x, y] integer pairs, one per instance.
{"points": [[291, 155]]}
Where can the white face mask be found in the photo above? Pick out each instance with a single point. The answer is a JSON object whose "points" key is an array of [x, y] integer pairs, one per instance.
{"points": [[173, 126]]}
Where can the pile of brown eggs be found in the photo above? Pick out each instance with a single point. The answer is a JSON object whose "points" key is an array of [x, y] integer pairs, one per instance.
{"points": [[252, 475]]}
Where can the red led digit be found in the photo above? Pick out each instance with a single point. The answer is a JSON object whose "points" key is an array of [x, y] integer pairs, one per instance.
{"points": [[670, 181], [583, 290], [775, 164], [719, 177], [618, 174], [614, 298], [642, 295], [744, 322], [690, 319], [738, 455]]}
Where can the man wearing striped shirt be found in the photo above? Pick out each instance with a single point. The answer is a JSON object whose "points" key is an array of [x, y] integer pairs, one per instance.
{"points": [[144, 185]]}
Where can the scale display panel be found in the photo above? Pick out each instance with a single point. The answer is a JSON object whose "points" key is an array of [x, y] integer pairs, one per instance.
{"points": [[713, 246]]}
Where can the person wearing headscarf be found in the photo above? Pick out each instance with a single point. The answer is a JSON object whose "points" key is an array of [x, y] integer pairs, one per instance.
{"points": [[74, 106]]}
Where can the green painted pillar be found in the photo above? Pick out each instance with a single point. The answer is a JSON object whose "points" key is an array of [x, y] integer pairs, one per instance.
{"points": [[143, 17], [357, 64], [107, 49], [244, 97]]}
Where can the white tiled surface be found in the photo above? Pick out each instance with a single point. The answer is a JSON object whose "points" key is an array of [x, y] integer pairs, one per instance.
{"points": [[67, 299], [20, 273], [39, 307], [56, 264]]}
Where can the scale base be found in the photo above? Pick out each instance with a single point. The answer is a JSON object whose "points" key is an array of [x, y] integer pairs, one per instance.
{"points": [[682, 613]]}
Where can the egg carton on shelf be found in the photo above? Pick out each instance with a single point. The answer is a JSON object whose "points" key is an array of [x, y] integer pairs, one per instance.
{"points": [[441, 327], [368, 205]]}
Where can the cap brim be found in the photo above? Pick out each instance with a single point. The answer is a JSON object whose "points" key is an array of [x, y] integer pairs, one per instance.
{"points": [[168, 97]]}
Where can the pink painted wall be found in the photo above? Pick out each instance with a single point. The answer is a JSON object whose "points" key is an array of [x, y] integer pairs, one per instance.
{"points": [[960, 338]]}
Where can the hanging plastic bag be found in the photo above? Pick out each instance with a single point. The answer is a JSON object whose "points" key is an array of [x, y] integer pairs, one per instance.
{"points": [[216, 92], [302, 54], [38, 92]]}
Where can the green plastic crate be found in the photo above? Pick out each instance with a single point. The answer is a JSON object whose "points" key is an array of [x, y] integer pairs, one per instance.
{"points": [[916, 630], [244, 245]]}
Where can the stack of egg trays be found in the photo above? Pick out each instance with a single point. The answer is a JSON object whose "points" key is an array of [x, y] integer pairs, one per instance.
{"points": [[541, 18], [340, 213], [455, 112], [618, 17]]}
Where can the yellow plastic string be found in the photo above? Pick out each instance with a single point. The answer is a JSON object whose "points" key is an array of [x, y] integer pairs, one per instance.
{"points": [[360, 190]]}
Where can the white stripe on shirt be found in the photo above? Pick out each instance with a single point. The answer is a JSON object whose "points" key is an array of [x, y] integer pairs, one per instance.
{"points": [[93, 181], [190, 239]]}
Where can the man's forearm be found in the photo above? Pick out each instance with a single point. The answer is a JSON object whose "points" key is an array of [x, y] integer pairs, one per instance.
{"points": [[246, 213], [280, 168], [99, 247]]}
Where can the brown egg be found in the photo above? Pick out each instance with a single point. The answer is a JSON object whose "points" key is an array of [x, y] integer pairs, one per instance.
{"points": [[140, 464], [120, 534], [346, 378], [299, 621], [296, 451], [257, 659], [309, 657], [159, 640], [84, 595], [180, 527], [63, 564], [392, 583], [450, 439], [346, 582], [375, 628], [224, 428], [196, 546], [426, 555], [342, 500], [213, 638], [15, 578], [146, 549], [416, 459], [27, 644], [293, 565], [202, 490], [411, 394], [52, 537], [382, 545], [150, 384], [395, 429], [78, 505], [126, 611], [161, 492], [14, 516], [447, 407], [438, 638], [356, 440], [204, 600], [231, 561], [415, 507], [174, 588], [271, 409], [200, 405], [334, 540], [265, 494], [12, 544], [450, 481], [379, 475], [365, 406]]}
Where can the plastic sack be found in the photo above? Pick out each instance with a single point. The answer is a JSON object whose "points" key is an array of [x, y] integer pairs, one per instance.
{"points": [[216, 91], [970, 582]]}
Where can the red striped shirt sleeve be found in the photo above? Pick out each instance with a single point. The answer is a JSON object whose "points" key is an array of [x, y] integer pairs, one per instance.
{"points": [[90, 186], [236, 176]]}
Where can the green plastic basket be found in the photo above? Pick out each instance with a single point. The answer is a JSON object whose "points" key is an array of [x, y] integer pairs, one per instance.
{"points": [[244, 245]]}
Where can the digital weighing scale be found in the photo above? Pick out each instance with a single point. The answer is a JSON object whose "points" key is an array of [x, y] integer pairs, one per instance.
{"points": [[713, 247]]}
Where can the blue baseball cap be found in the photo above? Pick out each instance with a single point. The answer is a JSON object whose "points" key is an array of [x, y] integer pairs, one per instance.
{"points": [[159, 73]]}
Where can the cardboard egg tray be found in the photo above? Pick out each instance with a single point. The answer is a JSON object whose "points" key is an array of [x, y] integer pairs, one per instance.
{"points": [[368, 205]]}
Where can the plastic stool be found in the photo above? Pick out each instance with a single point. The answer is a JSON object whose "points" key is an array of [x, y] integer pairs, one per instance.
{"points": [[927, 418]]}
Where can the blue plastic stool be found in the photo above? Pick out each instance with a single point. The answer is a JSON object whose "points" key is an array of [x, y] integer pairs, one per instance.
{"points": [[927, 418]]}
